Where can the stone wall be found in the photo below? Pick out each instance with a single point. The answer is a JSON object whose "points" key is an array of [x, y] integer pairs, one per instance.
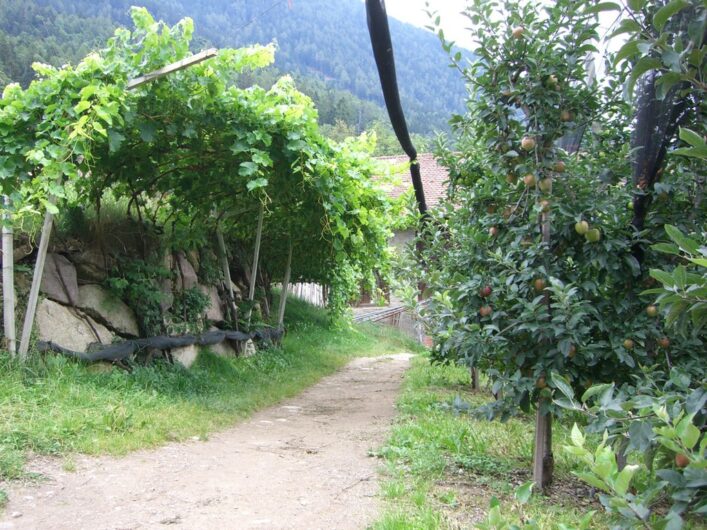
{"points": [[77, 311]]}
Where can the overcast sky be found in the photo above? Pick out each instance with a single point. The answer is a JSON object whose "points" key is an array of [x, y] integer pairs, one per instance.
{"points": [[413, 12], [453, 23]]}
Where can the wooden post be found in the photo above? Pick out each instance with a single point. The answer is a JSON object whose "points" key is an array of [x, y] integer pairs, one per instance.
{"points": [[36, 281], [285, 287], [475, 383], [256, 256], [223, 258], [8, 280], [543, 459], [173, 67]]}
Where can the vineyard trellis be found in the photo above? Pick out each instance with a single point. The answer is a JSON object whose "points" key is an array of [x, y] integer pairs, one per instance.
{"points": [[190, 144]]}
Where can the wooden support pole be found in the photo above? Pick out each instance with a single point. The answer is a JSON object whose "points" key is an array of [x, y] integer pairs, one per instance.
{"points": [[285, 287], [173, 67], [36, 281], [475, 382], [256, 256], [223, 258], [8, 280], [543, 459]]}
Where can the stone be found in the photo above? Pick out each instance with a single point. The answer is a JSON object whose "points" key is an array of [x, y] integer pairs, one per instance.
{"points": [[21, 251], [236, 292], [214, 312], [185, 356], [108, 309], [91, 266], [68, 327], [223, 349], [187, 275], [249, 349], [59, 280], [193, 258]]}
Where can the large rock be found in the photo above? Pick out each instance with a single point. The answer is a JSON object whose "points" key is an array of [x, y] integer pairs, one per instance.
{"points": [[249, 349], [187, 275], [214, 312], [224, 349], [108, 309], [69, 327], [185, 356], [91, 266], [59, 280], [193, 258]]}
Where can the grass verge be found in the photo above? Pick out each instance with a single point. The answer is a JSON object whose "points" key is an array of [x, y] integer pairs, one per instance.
{"points": [[443, 466], [57, 406]]}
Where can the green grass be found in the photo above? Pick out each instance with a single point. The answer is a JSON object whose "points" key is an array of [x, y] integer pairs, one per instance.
{"points": [[58, 406], [443, 466]]}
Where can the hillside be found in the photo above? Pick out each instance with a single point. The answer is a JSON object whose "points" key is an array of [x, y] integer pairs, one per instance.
{"points": [[317, 40]]}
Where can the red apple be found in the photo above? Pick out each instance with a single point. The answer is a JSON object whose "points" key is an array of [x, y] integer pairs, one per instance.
{"points": [[529, 180], [681, 460]]}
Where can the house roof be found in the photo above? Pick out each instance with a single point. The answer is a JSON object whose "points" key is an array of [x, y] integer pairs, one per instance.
{"points": [[434, 177]]}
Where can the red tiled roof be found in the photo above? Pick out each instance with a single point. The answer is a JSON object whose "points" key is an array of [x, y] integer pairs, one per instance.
{"points": [[434, 177]]}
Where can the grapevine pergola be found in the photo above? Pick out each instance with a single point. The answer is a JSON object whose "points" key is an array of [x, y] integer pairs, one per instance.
{"points": [[192, 146]]}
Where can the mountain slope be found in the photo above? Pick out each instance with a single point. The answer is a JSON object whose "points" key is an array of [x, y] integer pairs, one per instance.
{"points": [[316, 38]]}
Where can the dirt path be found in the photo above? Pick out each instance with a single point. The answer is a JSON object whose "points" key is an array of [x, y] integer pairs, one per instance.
{"points": [[302, 464]]}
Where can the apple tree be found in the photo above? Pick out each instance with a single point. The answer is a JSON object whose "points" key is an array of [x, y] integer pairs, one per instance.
{"points": [[530, 265]]}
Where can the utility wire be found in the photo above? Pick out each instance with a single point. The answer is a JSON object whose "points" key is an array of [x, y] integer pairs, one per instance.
{"points": [[259, 15]]}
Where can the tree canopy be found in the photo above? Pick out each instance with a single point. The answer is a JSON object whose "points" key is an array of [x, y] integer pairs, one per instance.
{"points": [[194, 148]]}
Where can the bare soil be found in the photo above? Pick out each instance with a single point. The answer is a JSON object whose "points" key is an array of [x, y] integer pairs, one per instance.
{"points": [[302, 464]]}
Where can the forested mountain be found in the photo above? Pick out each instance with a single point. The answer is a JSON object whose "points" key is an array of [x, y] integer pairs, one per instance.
{"points": [[324, 43]]}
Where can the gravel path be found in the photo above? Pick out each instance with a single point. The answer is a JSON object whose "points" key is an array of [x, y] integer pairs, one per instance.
{"points": [[302, 464]]}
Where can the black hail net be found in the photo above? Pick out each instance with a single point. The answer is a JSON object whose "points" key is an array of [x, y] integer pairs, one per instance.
{"points": [[385, 61]]}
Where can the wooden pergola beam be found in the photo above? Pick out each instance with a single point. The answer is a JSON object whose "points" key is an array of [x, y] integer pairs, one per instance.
{"points": [[170, 68]]}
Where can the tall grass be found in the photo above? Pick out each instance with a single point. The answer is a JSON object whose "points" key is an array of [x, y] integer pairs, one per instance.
{"points": [[58, 406]]}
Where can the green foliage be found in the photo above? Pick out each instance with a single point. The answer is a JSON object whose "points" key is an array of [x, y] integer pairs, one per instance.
{"points": [[499, 518], [138, 284], [193, 146], [683, 295], [666, 36], [658, 425], [556, 251], [188, 310]]}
